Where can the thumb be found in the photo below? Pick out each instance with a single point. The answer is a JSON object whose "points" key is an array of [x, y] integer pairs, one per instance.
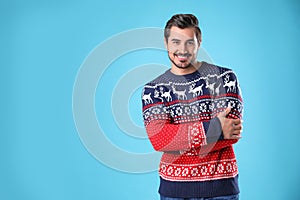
{"points": [[226, 111]]}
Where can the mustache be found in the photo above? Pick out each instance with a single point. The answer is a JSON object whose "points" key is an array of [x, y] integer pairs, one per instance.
{"points": [[183, 54]]}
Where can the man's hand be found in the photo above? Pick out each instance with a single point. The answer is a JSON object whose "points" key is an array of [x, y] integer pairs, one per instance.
{"points": [[232, 128]]}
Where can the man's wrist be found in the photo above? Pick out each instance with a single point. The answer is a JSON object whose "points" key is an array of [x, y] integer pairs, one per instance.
{"points": [[214, 132]]}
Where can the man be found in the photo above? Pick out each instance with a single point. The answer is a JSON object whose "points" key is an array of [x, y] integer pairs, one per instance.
{"points": [[192, 113]]}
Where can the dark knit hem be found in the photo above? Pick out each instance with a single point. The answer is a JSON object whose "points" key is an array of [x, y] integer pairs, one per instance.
{"points": [[199, 189]]}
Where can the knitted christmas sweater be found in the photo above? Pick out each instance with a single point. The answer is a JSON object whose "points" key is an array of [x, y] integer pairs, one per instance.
{"points": [[180, 116]]}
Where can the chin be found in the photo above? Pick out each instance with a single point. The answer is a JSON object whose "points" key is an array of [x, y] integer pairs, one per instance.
{"points": [[185, 66], [179, 64]]}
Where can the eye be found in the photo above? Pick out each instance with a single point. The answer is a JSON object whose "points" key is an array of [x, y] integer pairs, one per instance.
{"points": [[190, 43], [176, 42]]}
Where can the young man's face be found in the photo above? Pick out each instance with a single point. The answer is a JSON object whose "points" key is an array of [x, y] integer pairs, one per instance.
{"points": [[182, 46]]}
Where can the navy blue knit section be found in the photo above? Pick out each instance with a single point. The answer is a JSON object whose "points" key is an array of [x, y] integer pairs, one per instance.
{"points": [[205, 70], [199, 189], [213, 130]]}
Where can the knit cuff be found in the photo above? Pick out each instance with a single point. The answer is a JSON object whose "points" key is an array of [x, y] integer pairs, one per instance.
{"points": [[213, 130], [197, 136]]}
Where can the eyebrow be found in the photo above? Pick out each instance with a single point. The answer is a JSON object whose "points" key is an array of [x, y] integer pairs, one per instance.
{"points": [[177, 40], [190, 40]]}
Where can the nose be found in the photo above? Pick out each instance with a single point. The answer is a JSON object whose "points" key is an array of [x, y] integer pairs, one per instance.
{"points": [[182, 48]]}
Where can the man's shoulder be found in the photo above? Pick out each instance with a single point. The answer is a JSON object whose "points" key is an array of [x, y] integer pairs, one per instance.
{"points": [[209, 68], [206, 70], [161, 79]]}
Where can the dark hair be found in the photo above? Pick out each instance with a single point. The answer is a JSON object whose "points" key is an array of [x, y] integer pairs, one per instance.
{"points": [[183, 21]]}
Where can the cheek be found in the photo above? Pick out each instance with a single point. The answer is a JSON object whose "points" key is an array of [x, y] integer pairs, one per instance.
{"points": [[172, 49], [171, 54], [194, 51]]}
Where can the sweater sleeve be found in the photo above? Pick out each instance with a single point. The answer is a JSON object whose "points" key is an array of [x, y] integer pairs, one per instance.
{"points": [[163, 133], [232, 97], [166, 136]]}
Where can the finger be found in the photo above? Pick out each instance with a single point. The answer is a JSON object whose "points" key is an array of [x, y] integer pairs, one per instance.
{"points": [[236, 132], [227, 111], [236, 121], [237, 127], [240, 128], [236, 136]]}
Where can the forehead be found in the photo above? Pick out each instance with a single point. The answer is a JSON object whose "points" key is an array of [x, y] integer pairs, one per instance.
{"points": [[178, 33]]}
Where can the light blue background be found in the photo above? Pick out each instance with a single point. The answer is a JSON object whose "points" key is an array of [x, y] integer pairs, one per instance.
{"points": [[43, 44]]}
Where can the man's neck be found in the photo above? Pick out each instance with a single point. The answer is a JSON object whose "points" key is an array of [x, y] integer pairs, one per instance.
{"points": [[191, 69]]}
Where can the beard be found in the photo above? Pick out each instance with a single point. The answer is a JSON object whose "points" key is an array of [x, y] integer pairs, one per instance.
{"points": [[180, 66]]}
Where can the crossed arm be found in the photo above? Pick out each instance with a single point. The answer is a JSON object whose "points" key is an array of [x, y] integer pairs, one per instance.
{"points": [[204, 136], [168, 137]]}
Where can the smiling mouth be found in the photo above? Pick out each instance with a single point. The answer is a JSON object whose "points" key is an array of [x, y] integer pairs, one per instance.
{"points": [[182, 57]]}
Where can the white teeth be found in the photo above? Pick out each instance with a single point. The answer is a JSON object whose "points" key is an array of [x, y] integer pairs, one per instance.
{"points": [[182, 57]]}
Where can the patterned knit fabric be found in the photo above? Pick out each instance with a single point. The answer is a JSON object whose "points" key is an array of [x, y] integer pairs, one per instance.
{"points": [[180, 118]]}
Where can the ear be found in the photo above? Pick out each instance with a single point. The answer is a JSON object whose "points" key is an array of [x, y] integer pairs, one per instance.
{"points": [[166, 43], [200, 41]]}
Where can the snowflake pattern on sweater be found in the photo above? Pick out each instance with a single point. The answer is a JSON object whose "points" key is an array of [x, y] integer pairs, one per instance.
{"points": [[180, 116]]}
